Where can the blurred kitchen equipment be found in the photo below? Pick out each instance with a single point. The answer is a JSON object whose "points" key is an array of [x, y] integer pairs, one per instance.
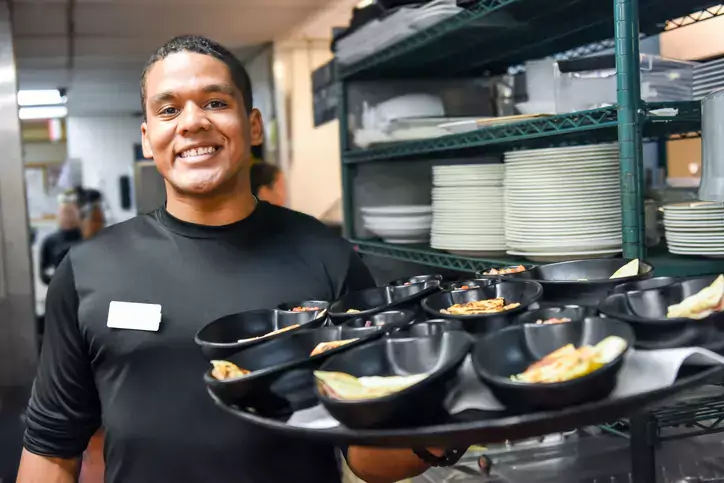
{"points": [[712, 142]]}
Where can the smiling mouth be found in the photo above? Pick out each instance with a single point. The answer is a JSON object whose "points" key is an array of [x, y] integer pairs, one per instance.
{"points": [[199, 153]]}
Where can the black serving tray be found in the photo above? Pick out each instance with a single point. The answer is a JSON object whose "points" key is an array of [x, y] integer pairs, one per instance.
{"points": [[473, 427]]}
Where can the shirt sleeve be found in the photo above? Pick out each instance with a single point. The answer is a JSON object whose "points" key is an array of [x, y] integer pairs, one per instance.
{"points": [[45, 260], [64, 409], [358, 276]]}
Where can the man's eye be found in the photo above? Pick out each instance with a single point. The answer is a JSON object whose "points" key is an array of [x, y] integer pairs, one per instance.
{"points": [[216, 104], [168, 111]]}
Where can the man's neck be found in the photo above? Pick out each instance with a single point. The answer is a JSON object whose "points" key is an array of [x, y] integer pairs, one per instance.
{"points": [[212, 211]]}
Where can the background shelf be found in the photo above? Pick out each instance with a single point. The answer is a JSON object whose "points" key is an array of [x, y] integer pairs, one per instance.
{"points": [[581, 127], [492, 35], [666, 264]]}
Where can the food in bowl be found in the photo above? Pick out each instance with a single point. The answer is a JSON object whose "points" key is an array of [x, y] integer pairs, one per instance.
{"points": [[353, 311], [702, 304], [569, 363], [505, 271], [328, 346], [631, 269], [339, 385], [224, 370], [306, 309], [553, 320], [278, 331], [477, 307]]}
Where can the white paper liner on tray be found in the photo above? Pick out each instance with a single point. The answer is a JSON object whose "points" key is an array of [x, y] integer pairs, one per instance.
{"points": [[642, 371]]}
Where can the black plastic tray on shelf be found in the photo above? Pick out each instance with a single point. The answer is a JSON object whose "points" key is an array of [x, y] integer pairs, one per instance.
{"points": [[471, 427]]}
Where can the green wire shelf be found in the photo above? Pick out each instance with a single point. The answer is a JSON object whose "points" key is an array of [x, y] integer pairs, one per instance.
{"points": [[666, 265], [492, 35], [597, 125], [425, 255]]}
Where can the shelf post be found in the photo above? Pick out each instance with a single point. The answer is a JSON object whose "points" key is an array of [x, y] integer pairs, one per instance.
{"points": [[628, 83], [348, 211]]}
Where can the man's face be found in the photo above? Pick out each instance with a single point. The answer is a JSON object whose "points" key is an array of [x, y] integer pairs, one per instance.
{"points": [[197, 129]]}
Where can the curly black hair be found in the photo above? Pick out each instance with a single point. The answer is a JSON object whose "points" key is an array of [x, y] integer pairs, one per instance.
{"points": [[204, 46]]}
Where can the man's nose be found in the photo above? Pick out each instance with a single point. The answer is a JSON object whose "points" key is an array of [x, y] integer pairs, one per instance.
{"points": [[193, 119]]}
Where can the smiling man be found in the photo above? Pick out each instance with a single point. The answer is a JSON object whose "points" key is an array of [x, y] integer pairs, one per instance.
{"points": [[212, 250]]}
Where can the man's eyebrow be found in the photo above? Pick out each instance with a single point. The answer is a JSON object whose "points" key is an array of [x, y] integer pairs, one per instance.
{"points": [[220, 88], [163, 97]]}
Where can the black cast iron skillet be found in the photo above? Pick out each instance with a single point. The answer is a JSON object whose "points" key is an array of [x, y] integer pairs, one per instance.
{"points": [[523, 292], [282, 379], [511, 351], [231, 333], [581, 282], [646, 311], [379, 299], [440, 357]]}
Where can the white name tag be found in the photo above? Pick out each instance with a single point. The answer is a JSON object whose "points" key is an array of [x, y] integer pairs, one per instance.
{"points": [[134, 316]]}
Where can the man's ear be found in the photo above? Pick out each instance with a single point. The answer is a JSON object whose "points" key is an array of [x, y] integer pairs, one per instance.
{"points": [[145, 143], [256, 125]]}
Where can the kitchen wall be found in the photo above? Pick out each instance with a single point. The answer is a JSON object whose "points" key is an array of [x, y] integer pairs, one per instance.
{"points": [[105, 148], [309, 155]]}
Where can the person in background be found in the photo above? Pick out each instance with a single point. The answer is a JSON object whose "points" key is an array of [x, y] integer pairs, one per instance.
{"points": [[56, 245], [93, 220], [268, 184]]}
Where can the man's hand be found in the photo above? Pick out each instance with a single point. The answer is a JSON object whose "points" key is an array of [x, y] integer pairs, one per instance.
{"points": [[382, 465], [42, 469]]}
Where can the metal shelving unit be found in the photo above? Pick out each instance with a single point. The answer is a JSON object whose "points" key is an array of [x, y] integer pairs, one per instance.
{"points": [[471, 44]]}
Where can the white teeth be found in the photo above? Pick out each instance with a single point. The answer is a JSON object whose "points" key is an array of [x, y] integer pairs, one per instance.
{"points": [[198, 151]]}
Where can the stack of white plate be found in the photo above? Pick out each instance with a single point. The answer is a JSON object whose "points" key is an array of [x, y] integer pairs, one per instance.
{"points": [[467, 203], [695, 228], [399, 224], [708, 77], [563, 203]]}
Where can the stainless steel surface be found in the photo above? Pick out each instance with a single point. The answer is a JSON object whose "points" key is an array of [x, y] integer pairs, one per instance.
{"points": [[17, 320], [712, 141]]}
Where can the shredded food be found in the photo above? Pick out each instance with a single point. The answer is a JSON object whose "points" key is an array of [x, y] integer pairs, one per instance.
{"points": [[476, 307], [224, 370]]}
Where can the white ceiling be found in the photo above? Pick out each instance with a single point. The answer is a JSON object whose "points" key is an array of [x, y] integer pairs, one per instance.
{"points": [[114, 38]]}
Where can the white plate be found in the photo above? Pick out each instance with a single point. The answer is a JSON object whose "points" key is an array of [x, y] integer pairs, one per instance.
{"points": [[712, 254], [492, 168], [562, 160], [694, 224], [687, 217], [573, 176], [695, 206], [396, 210], [566, 149]]}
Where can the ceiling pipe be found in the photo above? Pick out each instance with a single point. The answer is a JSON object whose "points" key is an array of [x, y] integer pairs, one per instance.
{"points": [[70, 32]]}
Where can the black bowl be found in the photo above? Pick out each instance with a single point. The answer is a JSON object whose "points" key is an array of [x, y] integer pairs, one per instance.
{"points": [[468, 284], [282, 379], [433, 327], [422, 403], [511, 351], [390, 320], [639, 285], [581, 282], [221, 337], [646, 312], [289, 307], [417, 279], [521, 291], [574, 312], [380, 299], [480, 274]]}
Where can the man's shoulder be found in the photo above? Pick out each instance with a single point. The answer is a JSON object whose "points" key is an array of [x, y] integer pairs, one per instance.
{"points": [[114, 237], [300, 223]]}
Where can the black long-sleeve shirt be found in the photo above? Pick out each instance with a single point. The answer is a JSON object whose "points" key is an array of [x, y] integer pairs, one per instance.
{"points": [[146, 388], [54, 248]]}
